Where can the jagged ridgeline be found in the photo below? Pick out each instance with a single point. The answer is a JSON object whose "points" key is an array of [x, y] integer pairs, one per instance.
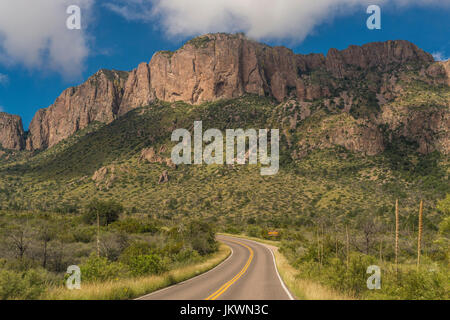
{"points": [[358, 127]]}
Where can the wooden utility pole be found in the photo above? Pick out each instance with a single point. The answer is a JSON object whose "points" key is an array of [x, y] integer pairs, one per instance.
{"points": [[419, 240], [98, 234], [396, 236]]}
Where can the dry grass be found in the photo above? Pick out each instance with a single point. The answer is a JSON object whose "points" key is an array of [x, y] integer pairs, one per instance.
{"points": [[302, 289], [123, 289]]}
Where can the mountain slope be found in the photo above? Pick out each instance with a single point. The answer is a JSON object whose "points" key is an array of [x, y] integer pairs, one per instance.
{"points": [[370, 125], [222, 66], [110, 161]]}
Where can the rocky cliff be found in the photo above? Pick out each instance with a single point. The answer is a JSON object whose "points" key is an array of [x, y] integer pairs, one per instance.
{"points": [[223, 66], [384, 88], [11, 132], [98, 99]]}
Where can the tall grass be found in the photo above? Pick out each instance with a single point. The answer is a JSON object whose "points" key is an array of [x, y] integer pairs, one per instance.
{"points": [[122, 289], [304, 289]]}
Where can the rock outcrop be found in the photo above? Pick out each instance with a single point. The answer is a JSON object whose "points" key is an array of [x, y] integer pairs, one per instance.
{"points": [[440, 72], [11, 132], [150, 155], [342, 130], [428, 127], [379, 55], [97, 99], [105, 177], [224, 66], [164, 177]]}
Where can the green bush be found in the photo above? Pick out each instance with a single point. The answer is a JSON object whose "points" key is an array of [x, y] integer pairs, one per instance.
{"points": [[136, 248], [22, 285], [352, 279], [83, 234], [101, 269], [254, 231], [146, 264], [141, 259], [130, 225], [413, 285], [200, 235], [186, 255], [108, 211]]}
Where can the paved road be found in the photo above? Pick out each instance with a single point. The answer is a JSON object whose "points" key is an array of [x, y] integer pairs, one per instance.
{"points": [[248, 274]]}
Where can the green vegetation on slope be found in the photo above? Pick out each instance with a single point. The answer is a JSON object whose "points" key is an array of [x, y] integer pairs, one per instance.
{"points": [[322, 192]]}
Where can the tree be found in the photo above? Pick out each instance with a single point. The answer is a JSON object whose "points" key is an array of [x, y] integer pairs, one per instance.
{"points": [[369, 227], [46, 234], [107, 212], [20, 239], [201, 237]]}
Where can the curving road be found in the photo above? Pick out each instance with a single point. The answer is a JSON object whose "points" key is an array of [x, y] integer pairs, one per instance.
{"points": [[249, 273]]}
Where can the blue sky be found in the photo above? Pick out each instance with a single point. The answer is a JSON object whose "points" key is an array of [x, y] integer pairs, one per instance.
{"points": [[121, 34]]}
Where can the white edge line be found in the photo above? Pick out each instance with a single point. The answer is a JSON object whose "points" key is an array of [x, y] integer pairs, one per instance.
{"points": [[279, 277], [274, 262], [185, 281]]}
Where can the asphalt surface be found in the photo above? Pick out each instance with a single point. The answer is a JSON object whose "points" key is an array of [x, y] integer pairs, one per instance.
{"points": [[249, 273]]}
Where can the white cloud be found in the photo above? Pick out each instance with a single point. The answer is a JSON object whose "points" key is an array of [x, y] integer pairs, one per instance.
{"points": [[4, 79], [132, 9], [260, 19], [439, 56], [34, 33], [2, 109]]}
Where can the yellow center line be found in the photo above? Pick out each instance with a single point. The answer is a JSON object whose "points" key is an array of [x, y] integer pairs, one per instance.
{"points": [[225, 287]]}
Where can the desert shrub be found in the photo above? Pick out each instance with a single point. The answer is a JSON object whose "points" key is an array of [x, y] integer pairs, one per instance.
{"points": [[101, 269], [201, 236], [333, 271], [254, 231], [173, 247], [141, 259], [84, 235], [130, 225], [135, 249], [251, 220], [146, 264], [352, 279], [22, 285], [186, 255], [232, 230], [444, 227], [19, 265], [108, 212], [413, 285]]}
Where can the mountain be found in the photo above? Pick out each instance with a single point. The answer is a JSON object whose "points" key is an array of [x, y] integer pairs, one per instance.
{"points": [[98, 99], [359, 128], [11, 132], [380, 91]]}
